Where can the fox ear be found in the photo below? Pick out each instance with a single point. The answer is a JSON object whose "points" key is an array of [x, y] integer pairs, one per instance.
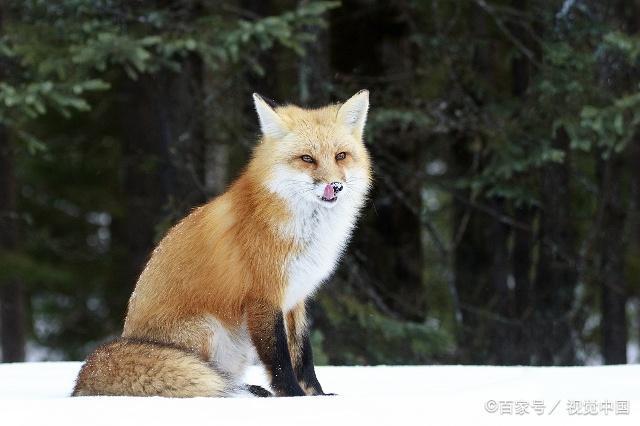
{"points": [[353, 113], [270, 122]]}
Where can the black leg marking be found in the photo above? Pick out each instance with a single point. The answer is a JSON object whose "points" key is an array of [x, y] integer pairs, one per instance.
{"points": [[283, 377], [305, 371], [266, 326], [259, 391]]}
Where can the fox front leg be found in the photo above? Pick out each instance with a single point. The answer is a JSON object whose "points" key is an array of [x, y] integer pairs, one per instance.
{"points": [[267, 330], [301, 353]]}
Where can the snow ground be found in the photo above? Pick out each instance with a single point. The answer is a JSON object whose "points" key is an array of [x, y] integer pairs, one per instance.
{"points": [[37, 394]]}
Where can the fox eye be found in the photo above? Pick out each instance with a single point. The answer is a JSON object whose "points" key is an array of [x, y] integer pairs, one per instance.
{"points": [[307, 159], [341, 156]]}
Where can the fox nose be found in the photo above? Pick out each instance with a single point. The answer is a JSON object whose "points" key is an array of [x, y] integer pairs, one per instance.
{"points": [[337, 186]]}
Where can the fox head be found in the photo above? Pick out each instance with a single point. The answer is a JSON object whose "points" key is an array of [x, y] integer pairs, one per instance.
{"points": [[315, 156]]}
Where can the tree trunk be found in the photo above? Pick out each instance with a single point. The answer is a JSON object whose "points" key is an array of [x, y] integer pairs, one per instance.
{"points": [[505, 330], [635, 212], [12, 299], [519, 344], [12, 313], [612, 249], [163, 176], [481, 258], [314, 75], [265, 85], [522, 260], [556, 274], [480, 275], [148, 177], [612, 180]]}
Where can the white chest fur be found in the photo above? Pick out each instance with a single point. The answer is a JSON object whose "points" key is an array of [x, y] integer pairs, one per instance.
{"points": [[323, 234], [320, 230]]}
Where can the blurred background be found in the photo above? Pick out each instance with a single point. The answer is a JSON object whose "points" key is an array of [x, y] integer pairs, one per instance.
{"points": [[504, 225]]}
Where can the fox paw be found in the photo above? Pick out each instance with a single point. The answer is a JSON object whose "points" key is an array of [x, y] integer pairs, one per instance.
{"points": [[259, 391]]}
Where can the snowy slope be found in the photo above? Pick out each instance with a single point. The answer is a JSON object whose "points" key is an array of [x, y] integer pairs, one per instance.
{"points": [[37, 394]]}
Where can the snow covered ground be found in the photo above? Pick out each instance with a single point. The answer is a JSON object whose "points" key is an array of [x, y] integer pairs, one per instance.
{"points": [[37, 394]]}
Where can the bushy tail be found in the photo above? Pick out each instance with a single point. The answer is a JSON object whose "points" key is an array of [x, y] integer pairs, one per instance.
{"points": [[140, 368]]}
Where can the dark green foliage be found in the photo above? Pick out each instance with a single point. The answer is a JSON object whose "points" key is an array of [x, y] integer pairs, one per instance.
{"points": [[503, 225]]}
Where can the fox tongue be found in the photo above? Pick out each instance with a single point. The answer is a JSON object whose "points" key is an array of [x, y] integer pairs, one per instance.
{"points": [[329, 193]]}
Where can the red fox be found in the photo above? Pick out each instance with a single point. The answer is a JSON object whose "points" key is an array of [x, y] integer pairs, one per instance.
{"points": [[229, 282]]}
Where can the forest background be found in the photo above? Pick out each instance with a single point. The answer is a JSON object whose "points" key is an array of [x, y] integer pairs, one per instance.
{"points": [[503, 227]]}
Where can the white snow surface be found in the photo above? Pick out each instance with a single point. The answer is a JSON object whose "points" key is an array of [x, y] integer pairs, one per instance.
{"points": [[38, 394]]}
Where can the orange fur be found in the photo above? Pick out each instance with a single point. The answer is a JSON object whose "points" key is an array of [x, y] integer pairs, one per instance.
{"points": [[225, 267], [296, 326], [221, 257], [230, 252]]}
